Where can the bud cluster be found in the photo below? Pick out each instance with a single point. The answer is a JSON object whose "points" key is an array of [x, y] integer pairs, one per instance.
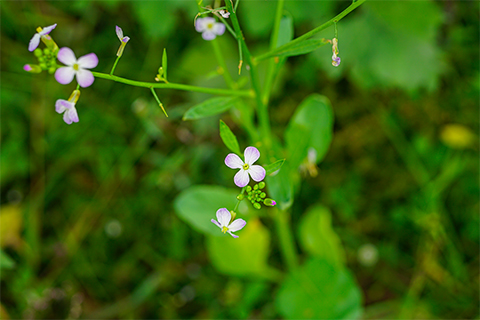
{"points": [[47, 59]]}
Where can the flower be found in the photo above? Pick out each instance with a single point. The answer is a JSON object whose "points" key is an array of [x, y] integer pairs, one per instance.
{"points": [[35, 41], [246, 168], [209, 28], [64, 75], [335, 60], [224, 217], [68, 107], [33, 68], [224, 13], [123, 40]]}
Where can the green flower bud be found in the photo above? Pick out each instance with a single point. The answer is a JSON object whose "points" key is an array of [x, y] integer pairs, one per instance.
{"points": [[46, 51], [240, 197], [257, 206], [43, 66], [255, 187], [51, 70], [38, 52], [249, 188], [263, 195], [269, 202], [261, 185], [249, 197]]}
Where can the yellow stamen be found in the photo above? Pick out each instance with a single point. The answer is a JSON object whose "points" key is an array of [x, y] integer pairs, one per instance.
{"points": [[75, 67], [224, 229], [245, 166]]}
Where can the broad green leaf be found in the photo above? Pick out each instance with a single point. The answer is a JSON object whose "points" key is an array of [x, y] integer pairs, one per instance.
{"points": [[271, 168], [303, 47], [280, 188], [5, 261], [318, 290], [164, 63], [310, 127], [209, 108], [198, 205], [246, 255], [229, 138], [318, 238]]}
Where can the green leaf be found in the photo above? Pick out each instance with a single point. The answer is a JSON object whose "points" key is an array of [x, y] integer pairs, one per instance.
{"points": [[271, 168], [318, 238], [318, 290], [209, 108], [229, 138], [5, 261], [246, 255], [280, 188], [310, 127], [164, 64], [198, 205]]}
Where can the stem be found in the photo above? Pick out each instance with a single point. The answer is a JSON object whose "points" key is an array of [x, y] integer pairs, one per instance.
{"points": [[224, 92], [114, 66], [287, 245], [158, 101], [262, 111], [238, 201], [309, 34], [226, 74]]}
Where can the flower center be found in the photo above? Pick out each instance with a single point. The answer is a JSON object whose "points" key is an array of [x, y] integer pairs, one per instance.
{"points": [[246, 166], [210, 26], [76, 67], [224, 229]]}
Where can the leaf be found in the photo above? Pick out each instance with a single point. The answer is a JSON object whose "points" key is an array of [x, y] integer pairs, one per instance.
{"points": [[271, 168], [209, 108], [164, 64], [229, 138], [318, 290], [246, 255], [300, 48], [280, 188], [310, 127], [318, 238], [198, 205]]}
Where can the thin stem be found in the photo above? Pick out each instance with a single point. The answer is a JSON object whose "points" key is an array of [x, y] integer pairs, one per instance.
{"points": [[170, 85], [158, 101], [311, 33], [226, 74], [238, 201], [287, 245], [114, 65]]}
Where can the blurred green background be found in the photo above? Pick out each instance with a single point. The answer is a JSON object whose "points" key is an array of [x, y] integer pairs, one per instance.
{"points": [[88, 227]]}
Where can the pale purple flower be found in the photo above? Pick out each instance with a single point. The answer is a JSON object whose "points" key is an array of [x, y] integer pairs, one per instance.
{"points": [[68, 107], [64, 75], [123, 40], [35, 41], [335, 61], [209, 28], [247, 168], [224, 217]]}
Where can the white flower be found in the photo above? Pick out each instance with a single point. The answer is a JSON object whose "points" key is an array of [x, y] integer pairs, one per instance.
{"points": [[247, 168], [68, 107], [64, 75], [224, 217], [209, 28], [35, 41], [224, 13]]}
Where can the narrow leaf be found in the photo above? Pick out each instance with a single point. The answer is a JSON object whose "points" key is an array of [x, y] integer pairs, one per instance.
{"points": [[209, 108], [271, 168], [229, 138], [164, 64]]}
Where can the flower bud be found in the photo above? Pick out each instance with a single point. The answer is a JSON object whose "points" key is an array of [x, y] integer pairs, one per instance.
{"points": [[249, 188], [261, 185], [38, 52], [240, 197], [257, 205], [255, 187], [269, 202], [32, 68], [263, 195]]}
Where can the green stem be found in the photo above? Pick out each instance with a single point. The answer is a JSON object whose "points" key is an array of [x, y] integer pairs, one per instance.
{"points": [[226, 74], [158, 101], [287, 244], [311, 33], [262, 111], [114, 66], [224, 92]]}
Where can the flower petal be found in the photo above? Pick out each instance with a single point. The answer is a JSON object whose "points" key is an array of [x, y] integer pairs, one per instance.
{"points": [[201, 24], [223, 217], [66, 56], [64, 75], [85, 78], [237, 225], [88, 61], [72, 114], [47, 30], [125, 39], [119, 32], [34, 42], [66, 118], [219, 28], [62, 105], [241, 179], [257, 172], [233, 235], [216, 223], [233, 161], [251, 155], [208, 35]]}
